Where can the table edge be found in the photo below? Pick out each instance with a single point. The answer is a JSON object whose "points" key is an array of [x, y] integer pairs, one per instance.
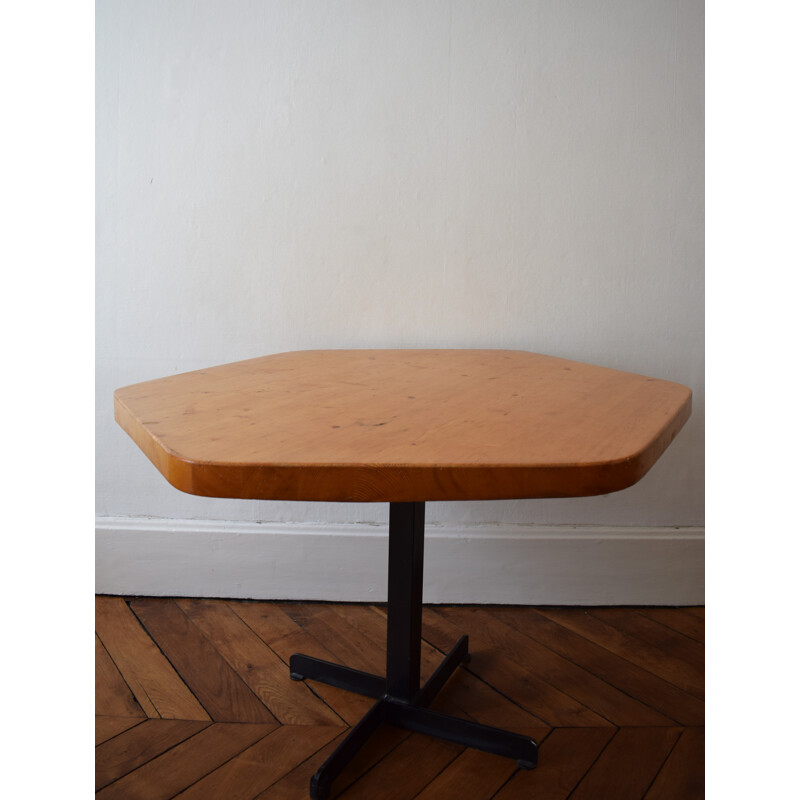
{"points": [[397, 482]]}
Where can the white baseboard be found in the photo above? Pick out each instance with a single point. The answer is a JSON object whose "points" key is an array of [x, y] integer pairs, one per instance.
{"points": [[514, 564]]}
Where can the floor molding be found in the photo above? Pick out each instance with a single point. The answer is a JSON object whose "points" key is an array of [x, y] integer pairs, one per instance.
{"points": [[514, 564]]}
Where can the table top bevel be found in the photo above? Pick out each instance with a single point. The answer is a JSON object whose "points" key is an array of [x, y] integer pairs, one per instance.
{"points": [[402, 425]]}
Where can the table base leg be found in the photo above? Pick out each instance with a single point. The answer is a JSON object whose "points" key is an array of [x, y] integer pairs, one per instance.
{"points": [[400, 699], [324, 777], [412, 716], [354, 680]]}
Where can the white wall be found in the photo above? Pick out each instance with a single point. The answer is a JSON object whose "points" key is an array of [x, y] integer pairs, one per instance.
{"points": [[276, 175]]}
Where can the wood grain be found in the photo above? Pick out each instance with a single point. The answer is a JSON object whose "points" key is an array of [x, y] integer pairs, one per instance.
{"points": [[112, 696], [153, 680], [350, 707], [265, 619], [181, 766], [617, 671], [472, 774], [515, 679], [295, 783], [383, 742], [564, 758], [403, 425], [676, 645], [523, 663], [579, 683], [682, 774], [414, 763], [224, 695], [285, 637], [260, 668], [683, 620], [348, 645], [137, 746], [654, 659], [262, 764], [628, 765], [106, 728]]}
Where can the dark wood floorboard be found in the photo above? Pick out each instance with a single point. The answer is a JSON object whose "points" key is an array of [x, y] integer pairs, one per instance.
{"points": [[180, 767], [683, 620], [106, 728], [565, 757], [217, 686], [155, 684], [628, 765], [682, 774], [140, 744], [194, 700], [671, 668], [615, 670]]}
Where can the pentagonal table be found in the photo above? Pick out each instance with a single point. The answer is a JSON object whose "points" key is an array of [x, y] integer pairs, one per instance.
{"points": [[403, 427]]}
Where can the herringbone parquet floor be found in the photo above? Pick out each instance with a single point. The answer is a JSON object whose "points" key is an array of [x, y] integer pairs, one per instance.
{"points": [[193, 700]]}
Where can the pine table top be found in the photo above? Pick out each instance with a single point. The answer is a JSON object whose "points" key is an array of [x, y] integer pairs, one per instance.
{"points": [[403, 425]]}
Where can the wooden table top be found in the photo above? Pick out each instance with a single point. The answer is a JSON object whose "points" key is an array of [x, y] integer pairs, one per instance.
{"points": [[403, 425]]}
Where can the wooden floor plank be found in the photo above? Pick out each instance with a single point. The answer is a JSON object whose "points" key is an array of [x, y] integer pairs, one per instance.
{"points": [[383, 742], [487, 662], [523, 660], [265, 619], [565, 756], [291, 702], [412, 765], [112, 696], [627, 767], [679, 619], [295, 784], [563, 674], [106, 728], [348, 645], [652, 633], [349, 706], [181, 766], [138, 745], [651, 689], [285, 637], [153, 680], [682, 775], [473, 774], [223, 694], [653, 659], [262, 764]]}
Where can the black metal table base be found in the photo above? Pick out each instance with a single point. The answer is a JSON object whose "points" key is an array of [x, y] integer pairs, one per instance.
{"points": [[400, 699]]}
